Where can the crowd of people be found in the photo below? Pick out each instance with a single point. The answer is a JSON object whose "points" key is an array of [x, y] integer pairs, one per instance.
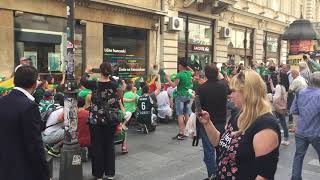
{"points": [[238, 121]]}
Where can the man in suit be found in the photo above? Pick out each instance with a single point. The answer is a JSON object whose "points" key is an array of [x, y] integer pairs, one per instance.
{"points": [[22, 156]]}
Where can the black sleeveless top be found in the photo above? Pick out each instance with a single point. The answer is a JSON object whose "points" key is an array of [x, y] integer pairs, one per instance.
{"points": [[235, 154], [144, 108]]}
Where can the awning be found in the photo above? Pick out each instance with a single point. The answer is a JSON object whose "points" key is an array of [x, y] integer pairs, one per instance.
{"points": [[301, 29]]}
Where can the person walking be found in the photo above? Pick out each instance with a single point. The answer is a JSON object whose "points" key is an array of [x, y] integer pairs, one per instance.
{"points": [[306, 105], [183, 82], [249, 147], [22, 154], [102, 126], [279, 99], [213, 96]]}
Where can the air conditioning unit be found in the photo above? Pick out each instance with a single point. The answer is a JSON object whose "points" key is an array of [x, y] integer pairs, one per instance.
{"points": [[175, 24], [225, 32]]}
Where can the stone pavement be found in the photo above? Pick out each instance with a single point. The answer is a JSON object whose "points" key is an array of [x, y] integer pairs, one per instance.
{"points": [[157, 157]]}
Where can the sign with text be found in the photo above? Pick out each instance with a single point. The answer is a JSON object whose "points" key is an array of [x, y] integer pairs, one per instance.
{"points": [[297, 46], [125, 65], [200, 48]]}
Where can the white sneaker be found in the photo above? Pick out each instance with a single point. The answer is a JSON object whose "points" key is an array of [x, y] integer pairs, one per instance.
{"points": [[286, 143]]}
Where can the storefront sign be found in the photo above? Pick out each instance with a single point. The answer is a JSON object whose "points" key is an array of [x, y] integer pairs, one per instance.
{"points": [[297, 46], [201, 48], [112, 50]]}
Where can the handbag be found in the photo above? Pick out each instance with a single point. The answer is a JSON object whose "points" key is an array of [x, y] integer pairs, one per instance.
{"points": [[280, 103]]}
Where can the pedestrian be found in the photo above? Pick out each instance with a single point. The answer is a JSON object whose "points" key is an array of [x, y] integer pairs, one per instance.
{"points": [[279, 99], [306, 105], [213, 96], [23, 62], [103, 121], [22, 154], [304, 71], [183, 82], [249, 147]]}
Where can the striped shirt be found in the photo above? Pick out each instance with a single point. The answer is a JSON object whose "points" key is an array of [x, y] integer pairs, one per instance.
{"points": [[306, 105]]}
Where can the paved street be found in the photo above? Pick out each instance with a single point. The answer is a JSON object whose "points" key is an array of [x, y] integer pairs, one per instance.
{"points": [[156, 156]]}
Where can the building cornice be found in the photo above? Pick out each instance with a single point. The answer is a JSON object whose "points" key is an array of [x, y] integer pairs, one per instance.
{"points": [[245, 13], [131, 7]]}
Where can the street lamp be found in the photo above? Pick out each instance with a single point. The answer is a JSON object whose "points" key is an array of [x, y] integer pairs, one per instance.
{"points": [[70, 162]]}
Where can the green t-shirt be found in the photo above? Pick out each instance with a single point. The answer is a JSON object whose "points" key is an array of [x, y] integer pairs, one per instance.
{"points": [[84, 92], [45, 105], [130, 106], [185, 83]]}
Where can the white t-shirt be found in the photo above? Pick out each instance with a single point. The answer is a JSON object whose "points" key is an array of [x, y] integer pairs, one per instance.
{"points": [[170, 91], [54, 119], [163, 100]]}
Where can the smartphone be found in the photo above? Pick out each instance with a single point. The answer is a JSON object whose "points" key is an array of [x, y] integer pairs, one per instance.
{"points": [[197, 104], [95, 70]]}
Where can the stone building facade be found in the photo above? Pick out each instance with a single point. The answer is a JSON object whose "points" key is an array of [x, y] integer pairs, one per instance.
{"points": [[140, 33]]}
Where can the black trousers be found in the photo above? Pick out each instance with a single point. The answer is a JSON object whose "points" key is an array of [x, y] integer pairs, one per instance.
{"points": [[102, 149]]}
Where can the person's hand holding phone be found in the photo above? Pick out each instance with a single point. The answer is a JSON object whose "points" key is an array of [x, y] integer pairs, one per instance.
{"points": [[204, 117]]}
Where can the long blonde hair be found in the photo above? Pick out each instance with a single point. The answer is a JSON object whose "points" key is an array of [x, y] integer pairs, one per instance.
{"points": [[256, 103]]}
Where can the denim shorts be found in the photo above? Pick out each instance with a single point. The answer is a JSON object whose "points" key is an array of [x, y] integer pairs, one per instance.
{"points": [[183, 105]]}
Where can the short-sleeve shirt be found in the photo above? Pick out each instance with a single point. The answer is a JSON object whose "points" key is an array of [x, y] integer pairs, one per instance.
{"points": [[130, 106], [235, 152], [185, 83]]}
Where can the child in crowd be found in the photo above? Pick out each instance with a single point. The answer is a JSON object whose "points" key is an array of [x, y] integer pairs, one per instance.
{"points": [[83, 128]]}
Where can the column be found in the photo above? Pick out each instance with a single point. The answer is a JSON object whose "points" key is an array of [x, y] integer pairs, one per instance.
{"points": [[94, 43], [7, 43], [258, 46]]}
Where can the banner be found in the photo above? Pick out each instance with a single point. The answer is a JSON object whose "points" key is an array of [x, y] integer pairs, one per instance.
{"points": [[298, 46]]}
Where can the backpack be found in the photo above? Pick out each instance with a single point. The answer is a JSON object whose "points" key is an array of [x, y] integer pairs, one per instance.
{"points": [[280, 104], [45, 116], [102, 109]]}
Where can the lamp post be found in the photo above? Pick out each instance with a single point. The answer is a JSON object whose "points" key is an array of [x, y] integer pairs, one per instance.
{"points": [[70, 162]]}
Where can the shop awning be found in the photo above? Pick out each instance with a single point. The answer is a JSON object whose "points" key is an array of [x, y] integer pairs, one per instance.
{"points": [[301, 29]]}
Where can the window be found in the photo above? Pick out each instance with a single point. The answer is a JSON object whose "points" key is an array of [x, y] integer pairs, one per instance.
{"points": [[125, 48], [43, 39], [200, 34], [238, 37]]}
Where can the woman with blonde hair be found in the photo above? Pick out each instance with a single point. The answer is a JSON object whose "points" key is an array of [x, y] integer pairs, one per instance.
{"points": [[249, 147]]}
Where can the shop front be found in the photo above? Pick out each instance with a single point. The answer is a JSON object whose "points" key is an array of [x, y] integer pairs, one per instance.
{"points": [[272, 46], [126, 49], [240, 45], [42, 39], [195, 42]]}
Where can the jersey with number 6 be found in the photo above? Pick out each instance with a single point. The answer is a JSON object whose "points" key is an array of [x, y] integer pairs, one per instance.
{"points": [[144, 109]]}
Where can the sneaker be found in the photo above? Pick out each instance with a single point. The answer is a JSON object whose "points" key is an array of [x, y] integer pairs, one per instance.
{"points": [[139, 129], [53, 153], [179, 137], [110, 177], [286, 143]]}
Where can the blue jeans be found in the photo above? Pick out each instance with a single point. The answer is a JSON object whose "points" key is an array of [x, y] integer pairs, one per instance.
{"points": [[183, 105], [209, 152], [282, 119], [302, 144]]}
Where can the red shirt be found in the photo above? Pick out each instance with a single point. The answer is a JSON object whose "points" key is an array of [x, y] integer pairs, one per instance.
{"points": [[83, 128]]}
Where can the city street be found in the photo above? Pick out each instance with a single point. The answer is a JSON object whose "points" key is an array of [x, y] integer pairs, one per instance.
{"points": [[157, 157]]}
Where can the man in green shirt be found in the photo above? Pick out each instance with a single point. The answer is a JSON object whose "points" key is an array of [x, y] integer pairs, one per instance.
{"points": [[182, 101]]}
